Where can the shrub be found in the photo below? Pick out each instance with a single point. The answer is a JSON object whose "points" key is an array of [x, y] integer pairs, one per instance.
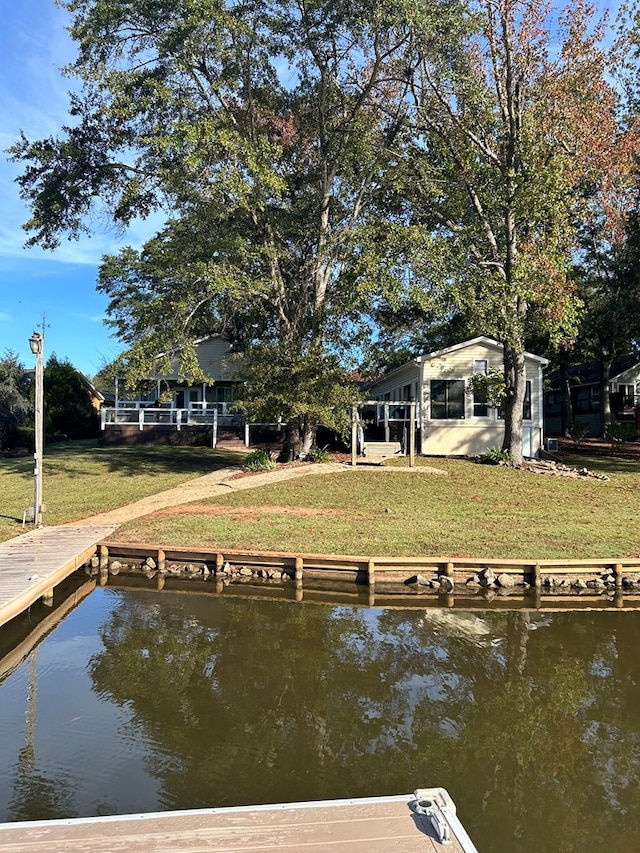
{"points": [[259, 460], [577, 432], [620, 432], [25, 437], [494, 456], [318, 454]]}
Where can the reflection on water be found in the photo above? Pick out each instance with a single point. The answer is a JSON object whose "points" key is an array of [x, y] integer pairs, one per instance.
{"points": [[143, 701]]}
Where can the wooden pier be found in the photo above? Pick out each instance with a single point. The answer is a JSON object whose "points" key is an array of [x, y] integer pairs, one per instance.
{"points": [[369, 825], [33, 564]]}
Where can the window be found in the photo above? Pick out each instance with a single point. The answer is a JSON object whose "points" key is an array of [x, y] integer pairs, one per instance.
{"points": [[526, 404], [447, 399], [480, 404]]}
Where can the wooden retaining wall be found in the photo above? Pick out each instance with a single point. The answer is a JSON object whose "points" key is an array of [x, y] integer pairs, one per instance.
{"points": [[388, 576]]}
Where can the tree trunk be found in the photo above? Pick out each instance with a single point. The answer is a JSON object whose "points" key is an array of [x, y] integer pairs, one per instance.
{"points": [[566, 411], [301, 435], [515, 386], [605, 396]]}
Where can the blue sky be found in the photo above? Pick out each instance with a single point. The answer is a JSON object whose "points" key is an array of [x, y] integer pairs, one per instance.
{"points": [[60, 284]]}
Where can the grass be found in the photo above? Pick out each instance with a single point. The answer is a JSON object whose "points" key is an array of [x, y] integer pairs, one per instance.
{"points": [[475, 510], [82, 478]]}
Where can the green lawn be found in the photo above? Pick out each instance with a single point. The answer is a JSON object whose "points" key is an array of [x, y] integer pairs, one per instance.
{"points": [[476, 510], [82, 478]]}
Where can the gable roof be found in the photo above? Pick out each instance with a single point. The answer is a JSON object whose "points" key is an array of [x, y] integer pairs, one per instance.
{"points": [[480, 339]]}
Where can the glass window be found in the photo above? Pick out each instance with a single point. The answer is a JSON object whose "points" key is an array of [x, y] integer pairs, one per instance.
{"points": [[447, 399], [526, 405], [480, 406]]}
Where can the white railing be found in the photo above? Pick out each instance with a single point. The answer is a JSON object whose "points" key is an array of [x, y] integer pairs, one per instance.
{"points": [[145, 415]]}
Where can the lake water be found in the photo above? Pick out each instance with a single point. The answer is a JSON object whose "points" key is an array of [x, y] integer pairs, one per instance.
{"points": [[143, 701]]}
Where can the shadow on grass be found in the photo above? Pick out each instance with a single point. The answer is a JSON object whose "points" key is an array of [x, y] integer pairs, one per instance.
{"points": [[602, 464], [68, 459]]}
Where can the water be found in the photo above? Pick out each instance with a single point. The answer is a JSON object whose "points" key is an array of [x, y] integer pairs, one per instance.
{"points": [[143, 701]]}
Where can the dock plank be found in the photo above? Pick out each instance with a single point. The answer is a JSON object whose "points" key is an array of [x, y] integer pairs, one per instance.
{"points": [[32, 564], [379, 825]]}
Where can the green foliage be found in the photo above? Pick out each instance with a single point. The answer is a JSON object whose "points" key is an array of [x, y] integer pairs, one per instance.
{"points": [[318, 454], [259, 460], [577, 431], [620, 432], [14, 398], [68, 410], [494, 456], [489, 386], [25, 437]]}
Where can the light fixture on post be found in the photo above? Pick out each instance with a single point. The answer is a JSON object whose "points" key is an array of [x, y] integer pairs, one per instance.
{"points": [[36, 342]]}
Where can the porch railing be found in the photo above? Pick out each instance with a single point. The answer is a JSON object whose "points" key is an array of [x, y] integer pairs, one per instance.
{"points": [[144, 414]]}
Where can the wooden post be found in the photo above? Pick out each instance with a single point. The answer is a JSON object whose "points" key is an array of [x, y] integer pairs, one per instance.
{"points": [[219, 562], [371, 574], [448, 569], [537, 576], [298, 576], [617, 574], [354, 436], [412, 433], [214, 428], [104, 558], [161, 560], [103, 576], [160, 581]]}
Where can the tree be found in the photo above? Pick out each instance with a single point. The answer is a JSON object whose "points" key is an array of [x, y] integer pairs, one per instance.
{"points": [[67, 405], [14, 397], [517, 138], [263, 129]]}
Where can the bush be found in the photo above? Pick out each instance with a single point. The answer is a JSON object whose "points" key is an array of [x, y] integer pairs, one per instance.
{"points": [[25, 437], [494, 456], [577, 432], [620, 432], [318, 454], [259, 460]]}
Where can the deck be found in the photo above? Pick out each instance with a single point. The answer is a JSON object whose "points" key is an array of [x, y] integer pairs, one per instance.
{"points": [[372, 825], [31, 565]]}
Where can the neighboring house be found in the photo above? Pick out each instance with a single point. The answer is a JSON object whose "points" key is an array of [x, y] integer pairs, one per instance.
{"points": [[583, 381], [166, 402], [450, 421], [97, 398]]}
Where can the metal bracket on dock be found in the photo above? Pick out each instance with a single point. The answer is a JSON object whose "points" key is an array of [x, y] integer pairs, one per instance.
{"points": [[424, 805]]}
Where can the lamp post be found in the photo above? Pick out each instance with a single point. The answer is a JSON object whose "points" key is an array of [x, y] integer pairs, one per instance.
{"points": [[36, 342]]}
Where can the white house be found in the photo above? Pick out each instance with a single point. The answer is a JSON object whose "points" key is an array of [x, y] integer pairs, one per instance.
{"points": [[450, 421], [169, 402]]}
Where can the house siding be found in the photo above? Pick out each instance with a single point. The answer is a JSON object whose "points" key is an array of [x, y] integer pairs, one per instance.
{"points": [[214, 359], [470, 435]]}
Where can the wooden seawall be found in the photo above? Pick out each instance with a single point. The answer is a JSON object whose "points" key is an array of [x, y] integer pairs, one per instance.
{"points": [[33, 564], [383, 577]]}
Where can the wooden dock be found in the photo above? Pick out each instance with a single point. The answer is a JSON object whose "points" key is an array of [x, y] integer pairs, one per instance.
{"points": [[369, 825], [31, 565]]}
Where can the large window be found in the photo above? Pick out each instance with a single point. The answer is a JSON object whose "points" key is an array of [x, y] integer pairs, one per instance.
{"points": [[447, 399]]}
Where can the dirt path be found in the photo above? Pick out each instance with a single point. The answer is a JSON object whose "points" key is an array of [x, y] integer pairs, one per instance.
{"points": [[223, 481]]}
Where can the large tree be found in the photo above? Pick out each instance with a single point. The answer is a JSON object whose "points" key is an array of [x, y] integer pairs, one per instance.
{"points": [[516, 141], [262, 129]]}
